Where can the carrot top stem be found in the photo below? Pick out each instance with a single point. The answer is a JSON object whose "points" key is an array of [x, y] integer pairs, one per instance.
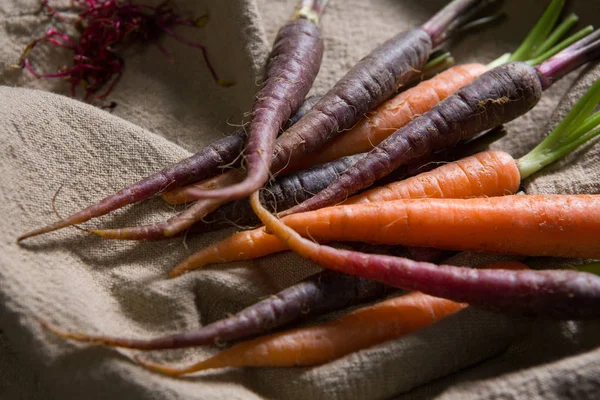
{"points": [[542, 42], [576, 128], [565, 26], [565, 61], [311, 10], [450, 18], [562, 45], [435, 62], [540, 32]]}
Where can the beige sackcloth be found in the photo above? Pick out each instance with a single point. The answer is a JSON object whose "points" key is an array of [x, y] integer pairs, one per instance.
{"points": [[165, 112]]}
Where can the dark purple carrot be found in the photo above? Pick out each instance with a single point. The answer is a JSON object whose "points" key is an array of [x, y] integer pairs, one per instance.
{"points": [[558, 294], [318, 294], [370, 82], [291, 69], [204, 164], [498, 96]]}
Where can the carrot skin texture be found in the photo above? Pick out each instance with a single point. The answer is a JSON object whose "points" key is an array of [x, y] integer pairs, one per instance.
{"points": [[397, 112], [562, 225], [561, 294], [488, 173], [292, 67], [322, 343], [498, 96], [318, 294]]}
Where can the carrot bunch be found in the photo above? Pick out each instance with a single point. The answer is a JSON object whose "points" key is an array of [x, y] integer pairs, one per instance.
{"points": [[469, 204]]}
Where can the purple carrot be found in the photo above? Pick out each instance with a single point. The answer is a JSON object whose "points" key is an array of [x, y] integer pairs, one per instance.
{"points": [[291, 69], [498, 96], [318, 294], [561, 294], [369, 83], [206, 163]]}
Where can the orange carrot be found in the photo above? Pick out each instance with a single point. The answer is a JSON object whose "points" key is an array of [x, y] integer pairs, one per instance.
{"points": [[554, 225], [395, 113], [322, 343]]}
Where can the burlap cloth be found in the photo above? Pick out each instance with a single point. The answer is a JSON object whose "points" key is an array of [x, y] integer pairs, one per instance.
{"points": [[166, 111]]}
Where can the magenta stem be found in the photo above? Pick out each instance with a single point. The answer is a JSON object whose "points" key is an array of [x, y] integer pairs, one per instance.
{"points": [[572, 57], [439, 25]]}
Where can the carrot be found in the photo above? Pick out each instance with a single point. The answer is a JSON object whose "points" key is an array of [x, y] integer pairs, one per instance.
{"points": [[291, 69], [498, 96], [521, 224], [489, 173], [322, 343], [370, 82], [318, 294]]}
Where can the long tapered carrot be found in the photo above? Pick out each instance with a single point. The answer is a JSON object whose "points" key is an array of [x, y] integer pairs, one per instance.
{"points": [[570, 225], [318, 294], [291, 69], [557, 225], [496, 97], [322, 343]]}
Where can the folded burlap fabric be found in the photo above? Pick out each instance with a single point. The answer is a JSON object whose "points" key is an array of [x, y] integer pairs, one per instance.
{"points": [[166, 111]]}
